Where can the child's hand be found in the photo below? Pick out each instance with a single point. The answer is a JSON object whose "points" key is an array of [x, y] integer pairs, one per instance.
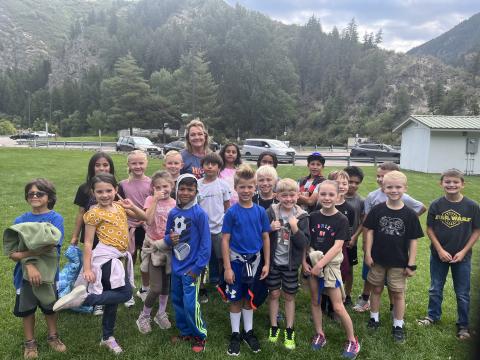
{"points": [[229, 276], [352, 242], [369, 261], [160, 194], [126, 204], [444, 256], [316, 269], [34, 276], [192, 275], [275, 225], [408, 272], [458, 257], [264, 273], [89, 276], [293, 222], [307, 269], [174, 237]]}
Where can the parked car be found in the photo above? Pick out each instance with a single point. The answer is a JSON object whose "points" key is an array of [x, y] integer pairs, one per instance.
{"points": [[130, 143], [179, 145], [43, 134], [24, 136], [375, 151], [254, 147]]}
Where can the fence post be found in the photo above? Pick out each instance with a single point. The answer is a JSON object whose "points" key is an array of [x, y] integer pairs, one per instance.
{"points": [[375, 161], [348, 160]]}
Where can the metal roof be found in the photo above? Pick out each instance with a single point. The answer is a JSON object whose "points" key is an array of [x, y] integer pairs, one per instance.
{"points": [[443, 122]]}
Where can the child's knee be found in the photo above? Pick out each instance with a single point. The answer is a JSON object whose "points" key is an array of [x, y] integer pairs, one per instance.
{"points": [[397, 295], [274, 294], [377, 290], [288, 297]]}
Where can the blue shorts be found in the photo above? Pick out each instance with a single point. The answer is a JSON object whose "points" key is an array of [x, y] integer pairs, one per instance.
{"points": [[238, 290], [365, 270]]}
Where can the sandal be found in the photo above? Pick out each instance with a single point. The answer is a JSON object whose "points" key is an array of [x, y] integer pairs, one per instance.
{"points": [[463, 333], [426, 321], [31, 350]]}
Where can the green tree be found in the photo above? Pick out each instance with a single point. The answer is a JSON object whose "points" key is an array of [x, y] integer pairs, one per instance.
{"points": [[6, 127]]}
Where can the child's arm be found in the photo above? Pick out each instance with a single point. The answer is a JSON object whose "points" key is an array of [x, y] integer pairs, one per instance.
{"points": [[34, 276], [229, 275], [20, 255], [205, 246], [354, 238], [150, 212], [266, 255], [300, 231], [309, 200], [226, 205], [307, 269], [334, 251], [458, 257], [78, 225], [368, 242], [88, 275], [442, 254], [132, 210], [412, 255]]}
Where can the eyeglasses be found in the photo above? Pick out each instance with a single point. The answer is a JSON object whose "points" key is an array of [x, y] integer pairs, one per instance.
{"points": [[37, 194]]}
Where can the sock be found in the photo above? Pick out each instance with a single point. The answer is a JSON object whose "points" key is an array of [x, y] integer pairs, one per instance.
{"points": [[147, 310], [274, 329], [235, 321], [391, 307], [398, 323], [247, 319], [375, 316], [289, 331], [162, 303], [144, 288], [365, 297]]}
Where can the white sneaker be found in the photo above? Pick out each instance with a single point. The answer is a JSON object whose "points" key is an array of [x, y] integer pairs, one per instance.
{"points": [[361, 305], [98, 310], [72, 300], [162, 321], [142, 294], [130, 303], [112, 345], [143, 323]]}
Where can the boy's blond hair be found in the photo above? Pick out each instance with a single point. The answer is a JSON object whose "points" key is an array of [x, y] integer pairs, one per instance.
{"points": [[244, 172], [395, 175], [338, 174], [172, 153], [455, 173], [286, 185], [266, 170]]}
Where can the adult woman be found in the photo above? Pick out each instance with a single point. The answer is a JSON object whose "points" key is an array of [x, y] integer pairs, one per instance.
{"points": [[196, 141]]}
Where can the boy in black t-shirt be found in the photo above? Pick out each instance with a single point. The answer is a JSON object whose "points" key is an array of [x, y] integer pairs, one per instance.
{"points": [[453, 226], [391, 249]]}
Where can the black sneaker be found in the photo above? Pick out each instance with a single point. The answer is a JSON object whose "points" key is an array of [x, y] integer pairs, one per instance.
{"points": [[372, 324], [348, 301], [251, 340], [203, 296], [398, 334], [234, 346]]}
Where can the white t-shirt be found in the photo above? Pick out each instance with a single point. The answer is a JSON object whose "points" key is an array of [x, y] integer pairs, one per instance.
{"points": [[378, 196], [211, 197]]}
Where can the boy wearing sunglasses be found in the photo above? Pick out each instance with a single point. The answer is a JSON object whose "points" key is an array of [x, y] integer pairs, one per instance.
{"points": [[41, 196]]}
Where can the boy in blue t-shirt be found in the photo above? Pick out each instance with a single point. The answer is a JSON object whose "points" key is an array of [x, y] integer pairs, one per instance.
{"points": [[245, 231], [41, 196]]}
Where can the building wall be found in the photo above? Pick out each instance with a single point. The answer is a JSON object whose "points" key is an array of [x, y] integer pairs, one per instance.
{"points": [[415, 147], [447, 150]]}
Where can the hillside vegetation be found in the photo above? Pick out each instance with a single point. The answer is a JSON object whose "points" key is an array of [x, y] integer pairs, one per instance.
{"points": [[145, 63]]}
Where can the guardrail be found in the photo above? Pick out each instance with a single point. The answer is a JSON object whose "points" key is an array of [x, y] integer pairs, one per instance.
{"points": [[65, 144], [364, 159]]}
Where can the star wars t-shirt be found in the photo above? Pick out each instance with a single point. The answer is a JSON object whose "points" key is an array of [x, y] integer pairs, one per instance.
{"points": [[392, 232], [453, 223]]}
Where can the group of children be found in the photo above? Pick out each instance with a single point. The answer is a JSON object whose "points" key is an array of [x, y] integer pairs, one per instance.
{"points": [[262, 233]]}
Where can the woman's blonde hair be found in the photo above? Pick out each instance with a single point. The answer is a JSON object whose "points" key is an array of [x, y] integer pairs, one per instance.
{"points": [[196, 123]]}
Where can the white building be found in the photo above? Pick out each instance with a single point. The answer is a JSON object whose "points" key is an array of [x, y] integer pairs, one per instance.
{"points": [[434, 143]]}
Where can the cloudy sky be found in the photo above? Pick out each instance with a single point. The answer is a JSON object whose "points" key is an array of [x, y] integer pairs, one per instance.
{"points": [[405, 23]]}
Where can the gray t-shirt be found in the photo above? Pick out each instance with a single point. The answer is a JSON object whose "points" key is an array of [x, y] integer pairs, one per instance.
{"points": [[358, 205], [378, 196], [453, 223], [280, 257]]}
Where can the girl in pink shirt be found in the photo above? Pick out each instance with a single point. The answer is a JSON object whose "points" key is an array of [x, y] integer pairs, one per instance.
{"points": [[230, 154], [157, 254]]}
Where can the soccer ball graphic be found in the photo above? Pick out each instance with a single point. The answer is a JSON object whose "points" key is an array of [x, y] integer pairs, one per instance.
{"points": [[180, 224]]}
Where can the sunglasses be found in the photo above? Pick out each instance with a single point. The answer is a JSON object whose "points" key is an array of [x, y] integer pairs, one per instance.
{"points": [[37, 194]]}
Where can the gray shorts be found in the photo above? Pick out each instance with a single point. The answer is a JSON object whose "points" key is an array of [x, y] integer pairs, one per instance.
{"points": [[280, 277], [26, 302]]}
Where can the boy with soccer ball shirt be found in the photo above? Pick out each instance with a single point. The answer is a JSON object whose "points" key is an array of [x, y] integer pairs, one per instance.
{"points": [[453, 226], [245, 232], [392, 231], [187, 231]]}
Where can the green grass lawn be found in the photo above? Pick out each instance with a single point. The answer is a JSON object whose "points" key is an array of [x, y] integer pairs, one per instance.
{"points": [[81, 333]]}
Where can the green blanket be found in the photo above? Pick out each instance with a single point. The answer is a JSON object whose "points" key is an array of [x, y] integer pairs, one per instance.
{"points": [[33, 236]]}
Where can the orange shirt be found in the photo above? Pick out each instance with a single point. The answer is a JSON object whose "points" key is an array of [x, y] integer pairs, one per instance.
{"points": [[111, 226]]}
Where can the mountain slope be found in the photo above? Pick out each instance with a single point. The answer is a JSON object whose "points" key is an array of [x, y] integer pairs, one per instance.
{"points": [[455, 47]]}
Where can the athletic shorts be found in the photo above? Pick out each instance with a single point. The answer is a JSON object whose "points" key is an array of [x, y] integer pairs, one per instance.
{"points": [[280, 277], [28, 302], [352, 255], [238, 290], [396, 278], [139, 237]]}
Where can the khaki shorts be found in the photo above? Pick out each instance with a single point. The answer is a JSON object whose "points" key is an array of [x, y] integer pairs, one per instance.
{"points": [[396, 279]]}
